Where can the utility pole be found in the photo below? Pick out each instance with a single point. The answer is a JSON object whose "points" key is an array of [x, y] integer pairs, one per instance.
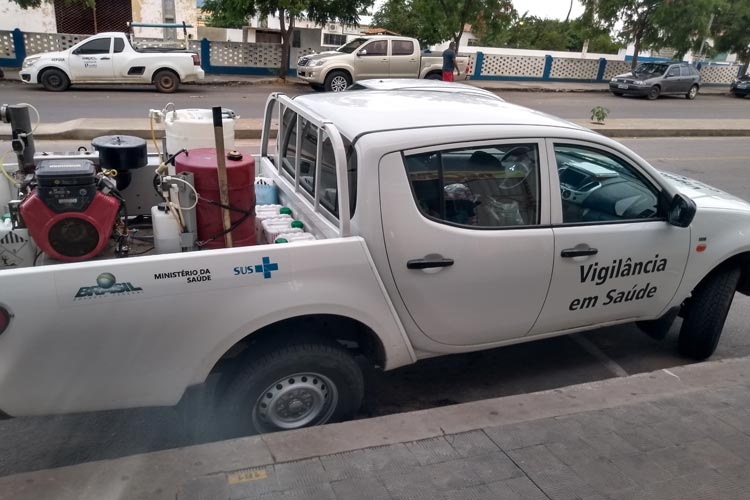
{"points": [[708, 32]]}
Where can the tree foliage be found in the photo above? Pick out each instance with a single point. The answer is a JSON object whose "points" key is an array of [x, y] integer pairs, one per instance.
{"points": [[654, 24], [435, 21], [731, 29], [288, 11]]}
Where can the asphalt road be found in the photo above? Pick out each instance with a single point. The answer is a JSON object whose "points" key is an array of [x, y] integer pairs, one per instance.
{"points": [[248, 101], [44, 442]]}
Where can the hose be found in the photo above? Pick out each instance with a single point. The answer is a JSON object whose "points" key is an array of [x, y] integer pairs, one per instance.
{"points": [[2, 168]]}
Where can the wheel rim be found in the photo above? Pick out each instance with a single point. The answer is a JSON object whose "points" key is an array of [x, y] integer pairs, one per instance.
{"points": [[339, 83], [693, 91], [654, 93], [295, 401], [166, 82], [54, 80]]}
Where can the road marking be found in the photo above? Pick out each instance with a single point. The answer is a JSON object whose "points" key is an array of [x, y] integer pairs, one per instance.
{"points": [[670, 373], [247, 475], [609, 363]]}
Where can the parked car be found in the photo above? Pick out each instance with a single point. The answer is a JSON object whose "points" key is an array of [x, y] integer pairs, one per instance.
{"points": [[653, 79], [372, 57], [420, 85], [741, 86], [112, 58]]}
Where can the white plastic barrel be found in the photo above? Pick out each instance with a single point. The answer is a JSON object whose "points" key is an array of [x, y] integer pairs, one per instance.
{"points": [[264, 212], [292, 237], [272, 228], [194, 129]]}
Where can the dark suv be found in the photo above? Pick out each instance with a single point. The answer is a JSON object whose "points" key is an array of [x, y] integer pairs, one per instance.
{"points": [[741, 86], [653, 79]]}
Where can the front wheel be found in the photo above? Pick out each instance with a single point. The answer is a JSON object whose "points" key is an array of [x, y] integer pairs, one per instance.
{"points": [[692, 92], [617, 94], [166, 81], [741, 96], [654, 92], [293, 386], [706, 313], [55, 80], [337, 81]]}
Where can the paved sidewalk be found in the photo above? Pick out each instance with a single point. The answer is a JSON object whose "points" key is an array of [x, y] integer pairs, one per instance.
{"points": [[681, 434]]}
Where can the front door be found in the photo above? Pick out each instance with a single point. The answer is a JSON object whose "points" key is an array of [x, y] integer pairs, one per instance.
{"points": [[467, 234], [372, 60], [92, 60], [404, 59], [616, 257]]}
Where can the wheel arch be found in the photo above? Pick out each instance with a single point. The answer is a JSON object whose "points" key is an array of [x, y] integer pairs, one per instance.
{"points": [[42, 71], [740, 260], [344, 69], [166, 68], [432, 72]]}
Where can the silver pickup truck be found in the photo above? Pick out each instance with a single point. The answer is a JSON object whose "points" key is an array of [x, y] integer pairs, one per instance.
{"points": [[373, 57]]}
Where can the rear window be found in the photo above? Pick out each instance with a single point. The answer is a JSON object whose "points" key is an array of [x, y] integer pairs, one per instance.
{"points": [[324, 189]]}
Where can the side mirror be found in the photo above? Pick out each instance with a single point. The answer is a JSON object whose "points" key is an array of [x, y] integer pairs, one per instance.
{"points": [[681, 211], [362, 52]]}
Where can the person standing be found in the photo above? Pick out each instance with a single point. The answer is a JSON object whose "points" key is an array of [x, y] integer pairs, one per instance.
{"points": [[449, 63]]}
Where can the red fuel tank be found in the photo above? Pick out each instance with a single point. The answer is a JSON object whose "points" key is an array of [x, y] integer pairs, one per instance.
{"points": [[202, 164]]}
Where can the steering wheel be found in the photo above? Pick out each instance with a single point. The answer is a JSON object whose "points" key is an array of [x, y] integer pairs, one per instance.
{"points": [[514, 161]]}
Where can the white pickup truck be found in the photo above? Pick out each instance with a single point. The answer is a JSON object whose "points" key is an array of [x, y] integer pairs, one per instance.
{"points": [[111, 58], [484, 225], [369, 57]]}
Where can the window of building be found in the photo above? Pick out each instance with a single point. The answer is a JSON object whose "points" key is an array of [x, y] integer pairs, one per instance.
{"points": [[296, 39], [489, 187], [334, 39], [597, 186]]}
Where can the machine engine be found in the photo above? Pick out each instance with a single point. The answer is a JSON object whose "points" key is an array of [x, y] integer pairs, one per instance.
{"points": [[67, 216]]}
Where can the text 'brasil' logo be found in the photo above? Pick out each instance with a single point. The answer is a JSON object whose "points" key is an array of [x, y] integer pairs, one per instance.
{"points": [[265, 269], [106, 284]]}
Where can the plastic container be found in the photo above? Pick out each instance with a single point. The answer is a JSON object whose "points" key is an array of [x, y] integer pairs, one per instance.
{"points": [[265, 212], [166, 230], [194, 129], [16, 247], [266, 192], [272, 228], [202, 164], [292, 237]]}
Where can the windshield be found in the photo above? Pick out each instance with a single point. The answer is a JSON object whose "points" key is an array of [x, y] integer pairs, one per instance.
{"points": [[651, 69], [352, 46]]}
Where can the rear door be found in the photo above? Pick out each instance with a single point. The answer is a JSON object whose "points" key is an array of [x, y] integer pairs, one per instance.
{"points": [[468, 240], [92, 61], [404, 59], [616, 257], [372, 60]]}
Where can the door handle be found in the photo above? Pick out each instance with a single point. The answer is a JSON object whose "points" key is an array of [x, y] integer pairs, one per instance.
{"points": [[104, 59], [428, 263], [578, 252]]}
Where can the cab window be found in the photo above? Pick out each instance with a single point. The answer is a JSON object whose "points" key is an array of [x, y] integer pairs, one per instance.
{"points": [[487, 187], [98, 46], [596, 186], [378, 48], [402, 48], [674, 71], [119, 45]]}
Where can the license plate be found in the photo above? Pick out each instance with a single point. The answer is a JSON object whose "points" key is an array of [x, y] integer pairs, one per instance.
{"points": [[622, 86]]}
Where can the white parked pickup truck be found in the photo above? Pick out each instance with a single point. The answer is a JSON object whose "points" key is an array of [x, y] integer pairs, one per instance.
{"points": [[111, 58], [373, 57], [484, 225]]}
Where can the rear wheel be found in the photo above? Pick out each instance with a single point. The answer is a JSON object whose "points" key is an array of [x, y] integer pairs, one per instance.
{"points": [[302, 384], [654, 92], [337, 81], [706, 313], [434, 76], [166, 81], [692, 92], [55, 80]]}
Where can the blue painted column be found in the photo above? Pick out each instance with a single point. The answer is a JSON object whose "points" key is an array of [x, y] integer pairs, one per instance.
{"points": [[547, 67], [478, 66], [602, 69], [206, 55], [19, 46]]}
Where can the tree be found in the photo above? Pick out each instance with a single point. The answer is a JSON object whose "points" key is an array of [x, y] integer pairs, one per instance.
{"points": [[654, 24], [730, 29], [318, 11], [435, 21]]}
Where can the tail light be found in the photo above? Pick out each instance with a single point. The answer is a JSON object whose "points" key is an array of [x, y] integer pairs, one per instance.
{"points": [[196, 60], [4, 319], [468, 65]]}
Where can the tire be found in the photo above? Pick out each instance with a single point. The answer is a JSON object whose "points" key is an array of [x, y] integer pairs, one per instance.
{"points": [[706, 313], [654, 92], [291, 386], [337, 81], [692, 92], [166, 81], [434, 76], [617, 94], [54, 80], [739, 96]]}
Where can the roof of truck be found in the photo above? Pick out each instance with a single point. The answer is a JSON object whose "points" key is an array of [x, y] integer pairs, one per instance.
{"points": [[355, 113]]}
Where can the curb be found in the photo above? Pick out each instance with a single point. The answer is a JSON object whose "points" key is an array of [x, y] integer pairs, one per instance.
{"points": [[159, 475]]}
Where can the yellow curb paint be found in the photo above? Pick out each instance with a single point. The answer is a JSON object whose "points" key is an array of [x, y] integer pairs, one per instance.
{"points": [[245, 476]]}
